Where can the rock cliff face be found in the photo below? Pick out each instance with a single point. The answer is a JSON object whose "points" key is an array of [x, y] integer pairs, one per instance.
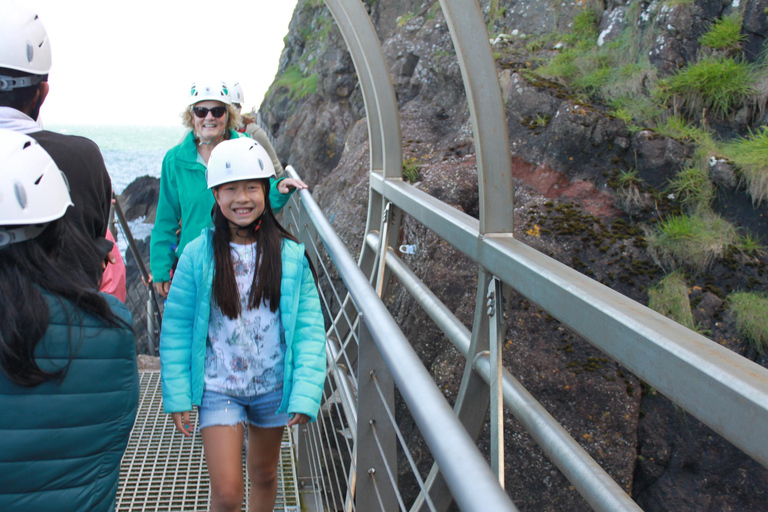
{"points": [[566, 153]]}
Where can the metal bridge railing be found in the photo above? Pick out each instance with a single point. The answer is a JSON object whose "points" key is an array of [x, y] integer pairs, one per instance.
{"points": [[141, 297], [725, 391], [348, 458]]}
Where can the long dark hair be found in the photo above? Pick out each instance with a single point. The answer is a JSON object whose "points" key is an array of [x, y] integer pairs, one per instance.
{"points": [[269, 264], [27, 269]]}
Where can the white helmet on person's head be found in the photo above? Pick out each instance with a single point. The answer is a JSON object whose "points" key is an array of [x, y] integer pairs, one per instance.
{"points": [[24, 46], [203, 90], [236, 94], [33, 191], [238, 159]]}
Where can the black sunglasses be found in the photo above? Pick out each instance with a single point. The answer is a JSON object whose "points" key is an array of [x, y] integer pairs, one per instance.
{"points": [[217, 112]]}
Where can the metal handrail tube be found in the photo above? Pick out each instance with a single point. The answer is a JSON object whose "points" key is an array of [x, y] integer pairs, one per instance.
{"points": [[453, 449], [588, 477], [153, 307], [723, 390], [129, 239]]}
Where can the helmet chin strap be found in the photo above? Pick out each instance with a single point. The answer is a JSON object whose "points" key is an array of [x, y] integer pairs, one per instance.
{"points": [[249, 230], [16, 235]]}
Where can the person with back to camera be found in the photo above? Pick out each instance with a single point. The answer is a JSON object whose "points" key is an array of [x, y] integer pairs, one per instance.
{"points": [[69, 385], [25, 59], [243, 335], [184, 197], [251, 128]]}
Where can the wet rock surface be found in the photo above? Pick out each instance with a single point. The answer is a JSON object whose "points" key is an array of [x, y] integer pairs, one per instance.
{"points": [[139, 199]]}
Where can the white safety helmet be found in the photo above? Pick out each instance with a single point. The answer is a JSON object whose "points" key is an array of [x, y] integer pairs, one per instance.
{"points": [[238, 159], [203, 90], [33, 191], [236, 94], [24, 46]]}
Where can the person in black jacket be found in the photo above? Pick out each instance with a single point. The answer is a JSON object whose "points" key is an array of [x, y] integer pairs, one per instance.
{"points": [[25, 59], [69, 384]]}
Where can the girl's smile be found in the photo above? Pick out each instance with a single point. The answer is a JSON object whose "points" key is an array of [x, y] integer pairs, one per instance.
{"points": [[242, 203]]}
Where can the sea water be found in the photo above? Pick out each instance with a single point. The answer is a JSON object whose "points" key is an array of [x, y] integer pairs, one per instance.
{"points": [[129, 152]]}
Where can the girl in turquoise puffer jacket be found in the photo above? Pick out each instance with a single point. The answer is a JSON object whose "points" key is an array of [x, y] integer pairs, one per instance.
{"points": [[243, 334]]}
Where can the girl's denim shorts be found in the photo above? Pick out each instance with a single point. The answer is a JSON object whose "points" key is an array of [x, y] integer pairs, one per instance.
{"points": [[218, 409]]}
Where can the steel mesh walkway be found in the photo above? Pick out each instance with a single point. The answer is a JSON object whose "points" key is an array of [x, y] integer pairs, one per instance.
{"points": [[164, 471]]}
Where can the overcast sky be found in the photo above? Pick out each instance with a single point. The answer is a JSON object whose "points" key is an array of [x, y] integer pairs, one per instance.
{"points": [[132, 62]]}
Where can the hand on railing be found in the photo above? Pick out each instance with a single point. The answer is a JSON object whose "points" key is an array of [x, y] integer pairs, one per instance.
{"points": [[285, 186], [161, 287]]}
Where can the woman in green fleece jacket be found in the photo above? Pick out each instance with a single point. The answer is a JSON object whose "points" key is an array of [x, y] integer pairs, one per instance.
{"points": [[185, 202]]}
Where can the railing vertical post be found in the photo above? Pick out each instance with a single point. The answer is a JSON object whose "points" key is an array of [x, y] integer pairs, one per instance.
{"points": [[152, 333], [495, 306], [371, 462], [304, 457]]}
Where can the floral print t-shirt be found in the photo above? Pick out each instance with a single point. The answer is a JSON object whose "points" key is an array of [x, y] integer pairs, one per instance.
{"points": [[245, 356]]}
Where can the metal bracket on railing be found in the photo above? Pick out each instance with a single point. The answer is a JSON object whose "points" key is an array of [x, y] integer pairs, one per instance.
{"points": [[383, 250]]}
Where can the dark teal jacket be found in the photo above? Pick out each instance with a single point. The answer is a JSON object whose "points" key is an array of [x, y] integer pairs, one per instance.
{"points": [[61, 442]]}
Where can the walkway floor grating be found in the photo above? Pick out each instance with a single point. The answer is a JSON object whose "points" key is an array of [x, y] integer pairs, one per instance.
{"points": [[165, 471]]}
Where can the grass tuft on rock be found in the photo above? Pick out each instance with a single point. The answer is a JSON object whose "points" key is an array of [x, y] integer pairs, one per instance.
{"points": [[725, 33], [750, 155], [693, 188], [751, 311], [297, 84], [690, 241], [411, 169], [717, 85], [670, 298], [679, 128]]}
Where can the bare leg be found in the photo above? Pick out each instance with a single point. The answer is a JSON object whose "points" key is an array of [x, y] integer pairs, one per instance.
{"points": [[263, 456], [224, 454]]}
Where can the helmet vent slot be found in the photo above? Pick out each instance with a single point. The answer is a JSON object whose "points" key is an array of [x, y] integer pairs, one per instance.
{"points": [[21, 195]]}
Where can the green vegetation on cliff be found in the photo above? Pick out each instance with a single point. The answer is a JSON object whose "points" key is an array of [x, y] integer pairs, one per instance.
{"points": [[296, 85], [725, 34], [670, 298], [682, 105], [692, 241], [751, 311], [717, 85], [750, 155]]}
